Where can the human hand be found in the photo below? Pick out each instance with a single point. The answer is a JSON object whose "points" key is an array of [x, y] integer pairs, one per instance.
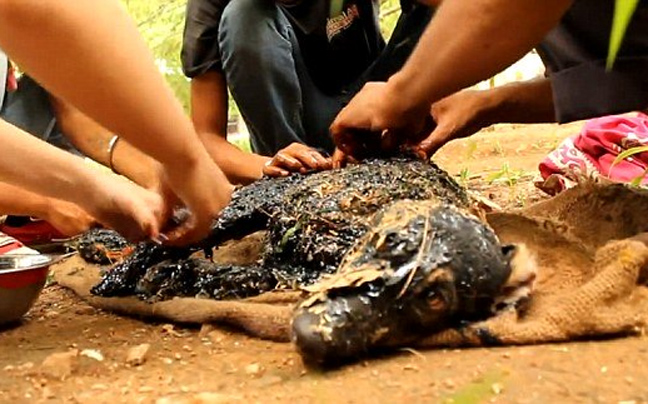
{"points": [[341, 159], [132, 211], [377, 120], [296, 157], [68, 218], [459, 115], [203, 189]]}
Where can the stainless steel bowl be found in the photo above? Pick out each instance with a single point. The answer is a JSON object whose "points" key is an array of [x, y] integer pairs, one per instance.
{"points": [[22, 277]]}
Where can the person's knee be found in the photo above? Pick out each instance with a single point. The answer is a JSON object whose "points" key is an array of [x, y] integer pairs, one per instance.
{"points": [[249, 26]]}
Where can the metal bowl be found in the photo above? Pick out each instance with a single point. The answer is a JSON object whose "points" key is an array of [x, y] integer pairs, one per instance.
{"points": [[22, 277]]}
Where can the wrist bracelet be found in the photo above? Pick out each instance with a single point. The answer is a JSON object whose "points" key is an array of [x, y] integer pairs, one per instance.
{"points": [[111, 151]]}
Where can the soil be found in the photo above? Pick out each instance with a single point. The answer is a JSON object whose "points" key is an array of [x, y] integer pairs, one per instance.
{"points": [[209, 365]]}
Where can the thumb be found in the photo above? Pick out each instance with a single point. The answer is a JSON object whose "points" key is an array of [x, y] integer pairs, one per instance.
{"points": [[339, 158], [188, 232], [435, 140]]}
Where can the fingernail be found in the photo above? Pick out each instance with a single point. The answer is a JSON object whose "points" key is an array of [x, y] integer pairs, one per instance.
{"points": [[157, 240]]}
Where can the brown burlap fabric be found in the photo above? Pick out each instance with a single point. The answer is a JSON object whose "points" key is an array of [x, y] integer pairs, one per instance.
{"points": [[592, 264]]}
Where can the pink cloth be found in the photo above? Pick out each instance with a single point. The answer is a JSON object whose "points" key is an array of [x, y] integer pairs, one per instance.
{"points": [[592, 153]]}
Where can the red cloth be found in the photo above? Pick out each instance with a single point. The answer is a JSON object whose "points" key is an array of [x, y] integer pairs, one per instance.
{"points": [[12, 82], [34, 232], [592, 153]]}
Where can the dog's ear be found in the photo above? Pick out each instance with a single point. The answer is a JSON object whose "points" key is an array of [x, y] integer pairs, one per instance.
{"points": [[519, 285], [509, 251]]}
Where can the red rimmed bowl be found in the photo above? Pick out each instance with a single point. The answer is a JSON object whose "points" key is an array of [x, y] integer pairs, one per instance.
{"points": [[22, 277]]}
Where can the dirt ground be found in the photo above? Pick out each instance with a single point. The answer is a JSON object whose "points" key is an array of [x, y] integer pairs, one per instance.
{"points": [[222, 366]]}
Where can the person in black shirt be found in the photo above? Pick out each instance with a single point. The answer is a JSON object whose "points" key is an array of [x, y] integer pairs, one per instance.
{"points": [[572, 37], [290, 66]]}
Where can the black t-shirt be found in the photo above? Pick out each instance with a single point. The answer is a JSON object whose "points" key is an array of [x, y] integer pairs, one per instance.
{"points": [[338, 39]]}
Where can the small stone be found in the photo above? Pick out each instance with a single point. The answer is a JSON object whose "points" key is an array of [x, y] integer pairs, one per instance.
{"points": [[87, 310], [216, 337], [449, 383], [629, 379], [604, 369], [51, 314], [198, 398], [92, 354], [25, 366], [497, 388], [60, 365], [99, 386], [177, 356], [167, 361], [9, 368], [411, 367], [267, 381], [145, 389], [137, 355], [170, 329], [253, 369], [47, 393], [205, 329]]}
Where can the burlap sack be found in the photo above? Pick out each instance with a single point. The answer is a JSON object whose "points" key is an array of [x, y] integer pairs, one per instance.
{"points": [[591, 270]]}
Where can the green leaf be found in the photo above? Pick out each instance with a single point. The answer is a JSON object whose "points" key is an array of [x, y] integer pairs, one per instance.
{"points": [[628, 153], [636, 182], [623, 11]]}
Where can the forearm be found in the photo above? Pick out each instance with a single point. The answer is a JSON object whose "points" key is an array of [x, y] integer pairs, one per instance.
{"points": [[93, 140], [493, 34], [520, 102], [20, 202], [209, 105], [239, 167], [49, 171], [114, 75]]}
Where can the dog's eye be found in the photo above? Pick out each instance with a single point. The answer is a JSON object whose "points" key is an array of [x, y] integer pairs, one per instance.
{"points": [[435, 301]]}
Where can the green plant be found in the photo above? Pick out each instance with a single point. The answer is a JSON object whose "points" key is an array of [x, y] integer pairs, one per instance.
{"points": [[389, 13], [623, 12], [478, 391], [497, 149], [506, 175], [636, 182], [471, 148], [464, 176]]}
